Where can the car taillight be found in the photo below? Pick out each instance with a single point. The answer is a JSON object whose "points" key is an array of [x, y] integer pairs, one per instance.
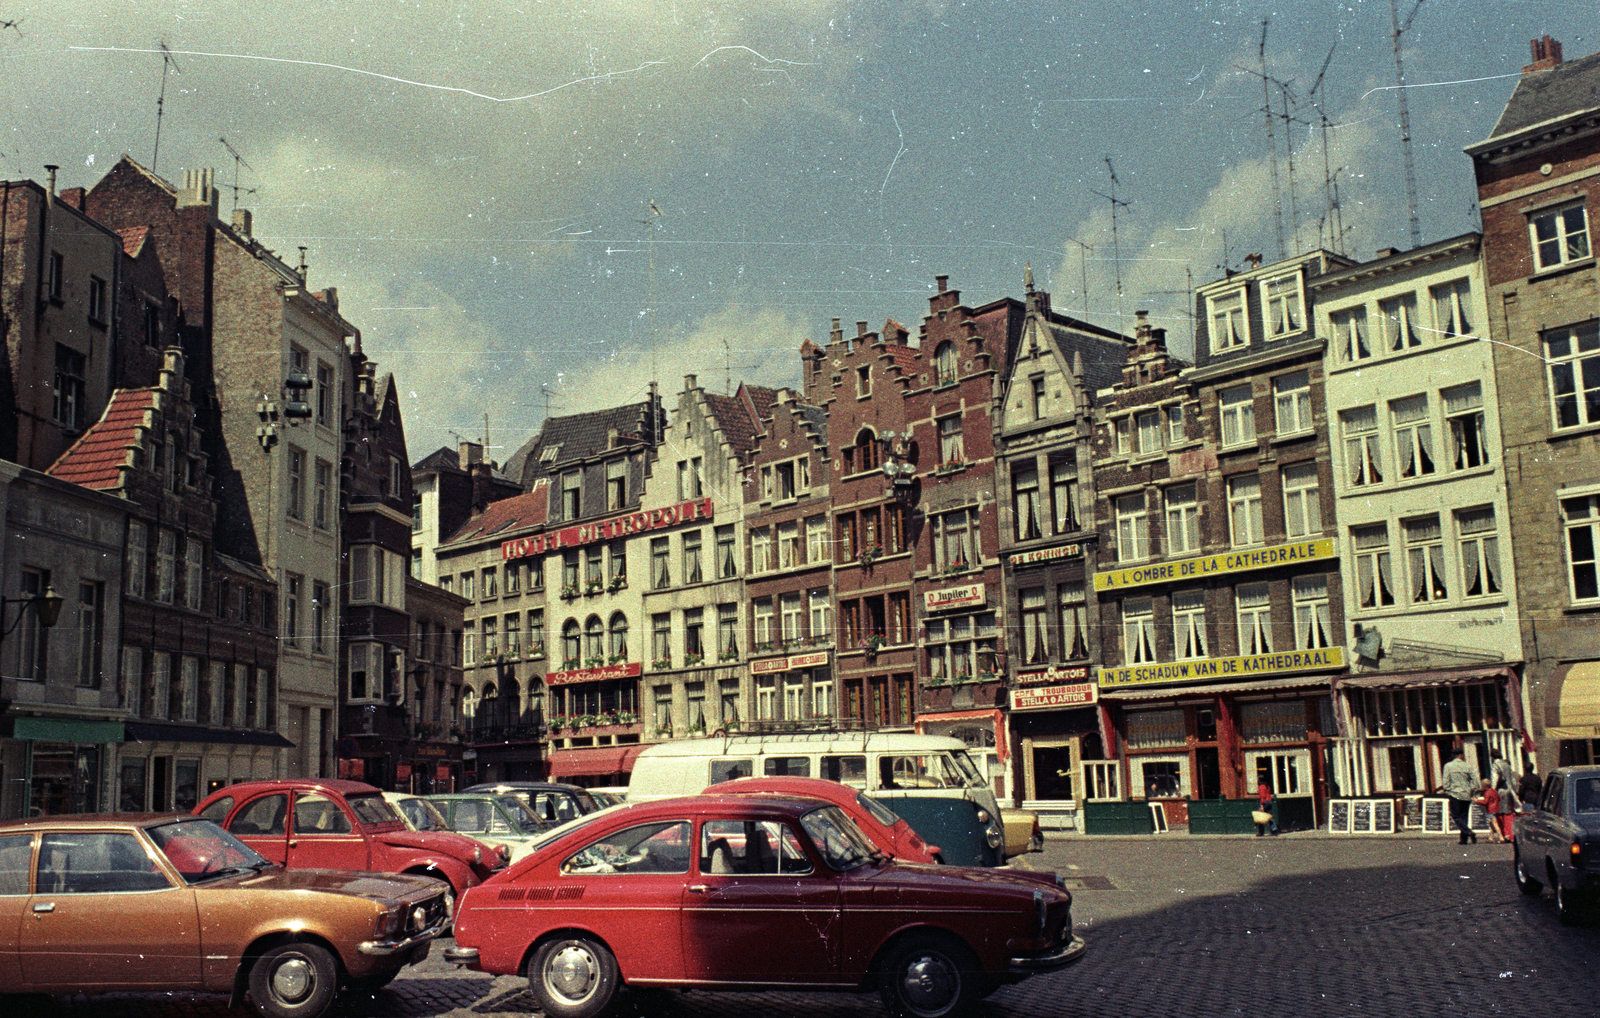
{"points": [[1577, 851], [1041, 911], [388, 923]]}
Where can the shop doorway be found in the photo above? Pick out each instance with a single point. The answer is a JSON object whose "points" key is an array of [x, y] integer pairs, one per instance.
{"points": [[1051, 771], [1207, 773]]}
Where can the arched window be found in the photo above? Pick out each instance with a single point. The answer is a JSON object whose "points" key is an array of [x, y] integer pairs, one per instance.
{"points": [[469, 703], [489, 691], [866, 457], [593, 639], [511, 693], [619, 638], [944, 363], [571, 644]]}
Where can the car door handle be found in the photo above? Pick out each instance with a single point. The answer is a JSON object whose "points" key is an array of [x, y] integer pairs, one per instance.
{"points": [[44, 906], [294, 843], [700, 888]]}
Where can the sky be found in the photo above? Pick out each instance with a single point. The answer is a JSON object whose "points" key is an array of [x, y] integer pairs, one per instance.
{"points": [[538, 207]]}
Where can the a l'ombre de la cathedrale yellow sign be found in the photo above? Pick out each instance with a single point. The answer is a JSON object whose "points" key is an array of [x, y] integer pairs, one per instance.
{"points": [[1221, 668], [1215, 565]]}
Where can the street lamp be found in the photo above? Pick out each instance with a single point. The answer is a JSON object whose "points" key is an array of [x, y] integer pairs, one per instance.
{"points": [[48, 605]]}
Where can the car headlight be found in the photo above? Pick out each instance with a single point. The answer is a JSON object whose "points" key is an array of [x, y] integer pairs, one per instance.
{"points": [[983, 816], [477, 855], [992, 836], [419, 919], [388, 923]]}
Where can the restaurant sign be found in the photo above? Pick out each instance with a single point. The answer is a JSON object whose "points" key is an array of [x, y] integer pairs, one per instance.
{"points": [[968, 596], [785, 664], [1213, 565], [604, 673], [1222, 667], [1080, 694], [1053, 674], [1028, 558], [607, 529]]}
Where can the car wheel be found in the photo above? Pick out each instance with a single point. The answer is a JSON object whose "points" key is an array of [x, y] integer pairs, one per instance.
{"points": [[572, 977], [929, 976], [294, 981], [1526, 884], [1568, 908]]}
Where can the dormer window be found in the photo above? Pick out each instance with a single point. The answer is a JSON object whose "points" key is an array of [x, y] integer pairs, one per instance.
{"points": [[1228, 329], [571, 486], [1284, 305]]}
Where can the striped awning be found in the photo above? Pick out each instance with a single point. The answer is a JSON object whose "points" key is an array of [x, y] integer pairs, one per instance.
{"points": [[1579, 710]]}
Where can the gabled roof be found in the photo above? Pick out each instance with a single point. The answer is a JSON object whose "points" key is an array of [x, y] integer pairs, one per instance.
{"points": [[1103, 358], [133, 239], [509, 514], [563, 440], [96, 459], [442, 458], [907, 358], [1561, 91], [733, 417], [759, 399]]}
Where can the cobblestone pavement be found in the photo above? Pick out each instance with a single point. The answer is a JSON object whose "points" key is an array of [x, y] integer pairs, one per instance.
{"points": [[1297, 925]]}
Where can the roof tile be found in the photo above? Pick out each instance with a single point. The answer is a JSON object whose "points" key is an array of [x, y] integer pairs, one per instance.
{"points": [[96, 459]]}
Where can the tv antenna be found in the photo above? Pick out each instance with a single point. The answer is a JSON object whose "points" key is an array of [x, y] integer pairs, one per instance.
{"points": [[168, 61], [1405, 117], [1188, 307], [1330, 181], [1083, 266], [238, 160], [652, 223], [1272, 138], [1116, 247]]}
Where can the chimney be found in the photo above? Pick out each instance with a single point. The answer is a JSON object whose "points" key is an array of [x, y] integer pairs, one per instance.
{"points": [[198, 189], [1546, 55], [943, 281], [691, 382], [837, 333], [50, 177], [241, 222], [861, 329], [471, 452], [480, 487], [1141, 326], [73, 197]]}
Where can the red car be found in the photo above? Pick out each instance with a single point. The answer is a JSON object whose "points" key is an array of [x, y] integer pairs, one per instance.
{"points": [[892, 835], [745, 892], [332, 824]]}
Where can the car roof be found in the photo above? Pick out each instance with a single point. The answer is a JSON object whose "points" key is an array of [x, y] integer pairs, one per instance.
{"points": [[128, 820], [533, 786], [786, 805], [783, 784], [343, 786]]}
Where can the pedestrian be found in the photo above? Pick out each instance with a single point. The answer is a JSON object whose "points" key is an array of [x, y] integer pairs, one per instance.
{"points": [[1489, 799], [1461, 785], [1500, 772], [1269, 805], [1529, 787]]}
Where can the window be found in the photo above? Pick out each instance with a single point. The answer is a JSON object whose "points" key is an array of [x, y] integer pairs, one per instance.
{"points": [[1244, 510], [193, 573], [1121, 436], [616, 483], [727, 552], [491, 584], [761, 558], [1413, 436], [1183, 520], [789, 544], [513, 635], [862, 456], [1040, 407], [1312, 624], [1581, 519], [166, 565], [1350, 334], [955, 540], [944, 363], [324, 394], [817, 545], [660, 562], [1399, 322], [961, 648], [617, 559], [569, 571], [692, 571], [1283, 306], [786, 481], [766, 483], [1480, 552], [152, 325], [55, 277], [1463, 412], [1138, 631], [319, 617], [1573, 356], [789, 618], [1174, 425], [491, 638], [821, 607], [689, 478], [763, 616], [1291, 399], [1559, 236], [536, 634], [1025, 500], [894, 529], [322, 484], [899, 618], [69, 388], [1374, 581], [536, 574], [1362, 453], [594, 637], [1302, 509], [1450, 309], [513, 578], [296, 499], [1074, 620], [618, 630], [1425, 559], [1148, 427], [366, 663], [694, 647], [727, 631], [661, 639], [951, 450], [138, 557], [1189, 624], [1227, 322], [1150, 728], [1133, 536], [1064, 496], [863, 381], [91, 603], [291, 610], [97, 300], [571, 494], [1238, 415], [377, 576], [1035, 634], [1255, 618]]}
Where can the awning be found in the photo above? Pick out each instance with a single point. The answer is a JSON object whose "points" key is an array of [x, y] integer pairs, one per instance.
{"points": [[994, 715], [143, 731], [1411, 680], [593, 761], [1579, 716], [61, 730], [1172, 692]]}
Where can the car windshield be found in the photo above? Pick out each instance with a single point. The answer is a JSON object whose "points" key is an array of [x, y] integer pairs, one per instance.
{"points": [[203, 851], [422, 815], [877, 810], [373, 808], [556, 833], [968, 770], [526, 819], [841, 843]]}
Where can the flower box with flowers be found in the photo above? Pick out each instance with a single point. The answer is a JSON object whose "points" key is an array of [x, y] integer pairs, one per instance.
{"points": [[690, 660], [870, 554], [731, 654], [661, 664], [950, 466], [594, 662], [873, 642], [594, 586], [570, 664], [569, 591], [617, 583]]}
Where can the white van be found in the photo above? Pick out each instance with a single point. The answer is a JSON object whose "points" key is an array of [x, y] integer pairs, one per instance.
{"points": [[929, 780]]}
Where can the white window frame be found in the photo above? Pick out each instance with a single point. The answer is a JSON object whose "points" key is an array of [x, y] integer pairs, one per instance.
{"points": [[1411, 425], [1450, 301], [1302, 503], [1133, 527], [1291, 403], [1400, 325], [1425, 560], [1363, 449], [1373, 566], [1230, 328], [1138, 631], [1313, 619], [1466, 426], [1181, 759], [1183, 519], [1478, 538], [1246, 526], [1253, 607], [1566, 237], [1189, 624], [1147, 424], [1579, 344], [1285, 305], [1582, 562], [1236, 411]]}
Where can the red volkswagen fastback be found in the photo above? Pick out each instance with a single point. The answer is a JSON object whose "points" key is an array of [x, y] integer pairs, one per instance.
{"points": [[882, 826], [745, 892]]}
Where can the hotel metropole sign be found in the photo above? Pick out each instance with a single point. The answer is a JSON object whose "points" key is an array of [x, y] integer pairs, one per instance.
{"points": [[1216, 565], [607, 530], [1255, 665]]}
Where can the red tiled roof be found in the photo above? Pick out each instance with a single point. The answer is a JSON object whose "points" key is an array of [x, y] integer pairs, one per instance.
{"points": [[508, 514], [96, 459], [761, 400], [734, 420], [907, 358], [133, 239]]}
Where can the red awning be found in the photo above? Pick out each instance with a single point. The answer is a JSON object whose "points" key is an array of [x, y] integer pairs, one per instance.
{"points": [[593, 761]]}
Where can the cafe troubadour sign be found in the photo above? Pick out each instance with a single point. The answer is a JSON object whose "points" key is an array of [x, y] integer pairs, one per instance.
{"points": [[607, 530]]}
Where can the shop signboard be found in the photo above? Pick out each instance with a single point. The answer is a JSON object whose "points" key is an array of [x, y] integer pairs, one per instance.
{"points": [[608, 529], [1222, 668], [1054, 674], [784, 664], [970, 595], [1080, 694], [1029, 558], [1216, 565], [603, 673]]}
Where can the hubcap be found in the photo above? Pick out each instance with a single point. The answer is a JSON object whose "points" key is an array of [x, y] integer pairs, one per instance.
{"points": [[929, 983], [292, 979], [572, 972]]}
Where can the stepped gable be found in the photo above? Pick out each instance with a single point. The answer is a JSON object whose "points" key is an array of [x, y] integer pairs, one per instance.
{"points": [[97, 458]]}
